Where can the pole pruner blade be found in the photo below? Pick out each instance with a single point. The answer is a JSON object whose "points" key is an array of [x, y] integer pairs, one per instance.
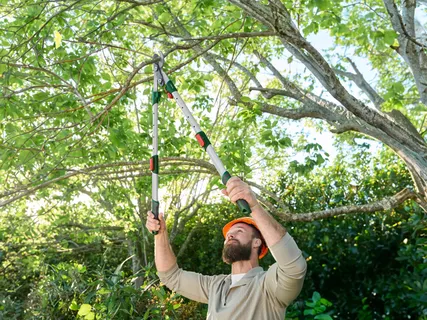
{"points": [[158, 68]]}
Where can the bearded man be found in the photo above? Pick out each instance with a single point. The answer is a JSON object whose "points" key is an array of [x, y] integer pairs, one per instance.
{"points": [[248, 292]]}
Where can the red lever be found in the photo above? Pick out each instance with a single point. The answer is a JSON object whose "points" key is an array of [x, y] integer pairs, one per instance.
{"points": [[200, 140], [170, 96], [151, 164]]}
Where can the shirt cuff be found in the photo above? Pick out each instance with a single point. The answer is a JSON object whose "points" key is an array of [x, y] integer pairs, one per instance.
{"points": [[166, 274], [286, 250]]}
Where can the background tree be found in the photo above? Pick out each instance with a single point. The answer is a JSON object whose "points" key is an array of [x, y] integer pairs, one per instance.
{"points": [[75, 143]]}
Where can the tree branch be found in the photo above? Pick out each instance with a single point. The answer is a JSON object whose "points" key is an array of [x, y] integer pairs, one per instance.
{"points": [[360, 81], [385, 204], [236, 35], [277, 18], [409, 48], [87, 228]]}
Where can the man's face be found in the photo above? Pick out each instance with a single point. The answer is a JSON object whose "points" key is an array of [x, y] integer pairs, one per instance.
{"points": [[238, 243]]}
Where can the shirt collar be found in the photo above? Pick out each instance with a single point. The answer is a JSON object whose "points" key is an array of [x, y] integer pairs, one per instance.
{"points": [[247, 277]]}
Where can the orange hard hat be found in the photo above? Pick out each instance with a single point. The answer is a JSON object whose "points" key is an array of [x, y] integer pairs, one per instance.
{"points": [[251, 222]]}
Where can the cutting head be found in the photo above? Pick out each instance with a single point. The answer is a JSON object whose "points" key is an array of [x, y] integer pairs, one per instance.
{"points": [[162, 59], [158, 77]]}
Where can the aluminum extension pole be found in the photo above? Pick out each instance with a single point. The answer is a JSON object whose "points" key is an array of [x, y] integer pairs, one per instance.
{"points": [[200, 135], [154, 160]]}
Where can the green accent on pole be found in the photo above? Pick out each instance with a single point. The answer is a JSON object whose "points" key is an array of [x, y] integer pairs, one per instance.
{"points": [[225, 177], [154, 164], [244, 206], [155, 210], [203, 139], [170, 87], [155, 97]]}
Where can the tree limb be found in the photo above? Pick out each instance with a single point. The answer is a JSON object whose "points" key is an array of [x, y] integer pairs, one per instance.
{"points": [[385, 204], [360, 81], [412, 51]]}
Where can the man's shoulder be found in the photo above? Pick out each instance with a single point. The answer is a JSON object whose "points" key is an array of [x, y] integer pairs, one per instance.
{"points": [[220, 276], [218, 279]]}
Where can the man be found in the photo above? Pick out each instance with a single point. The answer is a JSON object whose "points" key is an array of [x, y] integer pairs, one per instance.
{"points": [[249, 292]]}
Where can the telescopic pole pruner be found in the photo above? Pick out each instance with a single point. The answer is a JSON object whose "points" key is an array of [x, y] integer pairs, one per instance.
{"points": [[162, 80]]}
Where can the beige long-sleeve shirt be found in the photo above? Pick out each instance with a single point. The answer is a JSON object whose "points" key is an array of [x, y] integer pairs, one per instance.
{"points": [[259, 295]]}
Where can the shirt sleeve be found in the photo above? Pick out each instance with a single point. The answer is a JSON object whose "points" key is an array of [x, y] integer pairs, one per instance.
{"points": [[191, 285], [284, 279]]}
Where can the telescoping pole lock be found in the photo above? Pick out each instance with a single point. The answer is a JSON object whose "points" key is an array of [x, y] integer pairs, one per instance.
{"points": [[162, 80]]}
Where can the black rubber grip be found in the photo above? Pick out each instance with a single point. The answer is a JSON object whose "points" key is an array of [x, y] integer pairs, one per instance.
{"points": [[244, 206], [155, 210]]}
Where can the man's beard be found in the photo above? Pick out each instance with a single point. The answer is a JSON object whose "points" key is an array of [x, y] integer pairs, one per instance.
{"points": [[236, 251]]}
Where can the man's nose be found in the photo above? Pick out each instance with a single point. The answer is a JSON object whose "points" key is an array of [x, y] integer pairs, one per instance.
{"points": [[230, 236]]}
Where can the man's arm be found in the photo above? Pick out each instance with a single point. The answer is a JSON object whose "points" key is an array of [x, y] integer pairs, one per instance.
{"points": [[271, 230], [284, 279], [163, 255], [192, 285]]}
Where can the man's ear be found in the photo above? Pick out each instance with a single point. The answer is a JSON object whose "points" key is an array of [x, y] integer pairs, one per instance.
{"points": [[258, 242]]}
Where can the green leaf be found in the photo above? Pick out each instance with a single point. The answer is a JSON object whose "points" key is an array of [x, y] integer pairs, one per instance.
{"points": [[24, 156], [322, 4], [316, 296], [103, 291], [398, 87], [323, 300], [311, 28], [74, 306], [84, 309], [285, 142], [148, 69], [3, 68], [389, 37], [308, 312], [115, 277], [57, 38], [165, 17]]}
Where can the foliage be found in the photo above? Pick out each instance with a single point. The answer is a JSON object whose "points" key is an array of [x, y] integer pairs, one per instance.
{"points": [[358, 262], [313, 309], [73, 291], [75, 123]]}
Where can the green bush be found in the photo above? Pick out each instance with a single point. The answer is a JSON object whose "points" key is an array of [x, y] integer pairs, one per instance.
{"points": [[314, 308], [70, 291]]}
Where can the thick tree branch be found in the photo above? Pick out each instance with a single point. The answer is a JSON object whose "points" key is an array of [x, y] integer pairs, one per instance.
{"points": [[360, 81], [277, 18], [408, 15], [412, 51], [385, 204]]}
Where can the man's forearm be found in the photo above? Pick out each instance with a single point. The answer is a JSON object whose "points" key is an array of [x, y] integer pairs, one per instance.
{"points": [[164, 257], [271, 230]]}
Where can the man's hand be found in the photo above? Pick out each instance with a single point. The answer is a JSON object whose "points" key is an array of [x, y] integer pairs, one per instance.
{"points": [[237, 189], [154, 224], [163, 254]]}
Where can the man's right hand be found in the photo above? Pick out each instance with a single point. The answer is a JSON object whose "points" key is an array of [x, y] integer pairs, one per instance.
{"points": [[153, 224]]}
